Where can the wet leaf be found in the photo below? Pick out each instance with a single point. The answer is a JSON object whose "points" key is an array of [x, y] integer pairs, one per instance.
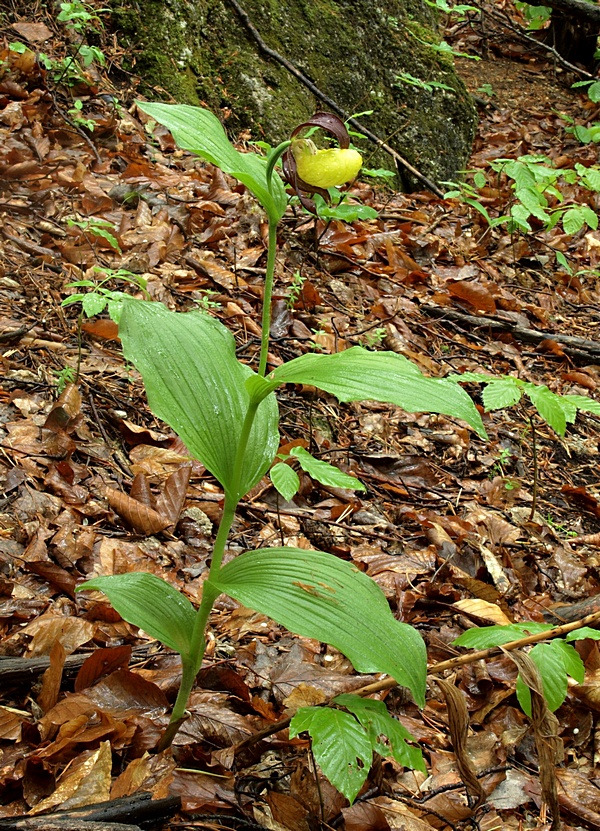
{"points": [[150, 603], [195, 383], [318, 596]]}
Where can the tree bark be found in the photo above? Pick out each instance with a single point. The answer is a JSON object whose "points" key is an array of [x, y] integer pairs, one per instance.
{"points": [[572, 8]]}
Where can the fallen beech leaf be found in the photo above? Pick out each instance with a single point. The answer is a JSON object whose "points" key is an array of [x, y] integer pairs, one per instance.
{"points": [[132, 777], [142, 519], [135, 434], [72, 632], [288, 812], [100, 663], [55, 575], [587, 539], [364, 816], [10, 725], [52, 677], [140, 490], [303, 696], [172, 498], [550, 346], [581, 378], [473, 293], [101, 328], [484, 610], [233, 310], [87, 784], [34, 32], [581, 497], [65, 411], [579, 796], [124, 690]]}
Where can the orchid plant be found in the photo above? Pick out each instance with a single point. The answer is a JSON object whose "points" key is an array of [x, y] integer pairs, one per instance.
{"points": [[227, 415]]}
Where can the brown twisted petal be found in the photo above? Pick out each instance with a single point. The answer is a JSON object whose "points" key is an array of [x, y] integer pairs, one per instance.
{"points": [[299, 186], [331, 124]]}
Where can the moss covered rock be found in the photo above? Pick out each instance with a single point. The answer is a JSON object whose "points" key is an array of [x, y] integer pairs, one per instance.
{"points": [[364, 55]]}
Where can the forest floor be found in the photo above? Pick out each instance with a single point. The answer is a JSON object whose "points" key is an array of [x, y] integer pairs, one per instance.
{"points": [[457, 531]]}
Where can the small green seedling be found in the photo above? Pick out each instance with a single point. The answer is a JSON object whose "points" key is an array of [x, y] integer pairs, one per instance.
{"points": [[556, 660], [97, 228], [536, 16], [298, 281], [286, 481], [77, 117], [94, 302], [502, 391], [65, 376], [344, 740]]}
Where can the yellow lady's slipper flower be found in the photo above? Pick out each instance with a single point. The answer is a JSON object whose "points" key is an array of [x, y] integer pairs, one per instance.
{"points": [[310, 170], [325, 168]]}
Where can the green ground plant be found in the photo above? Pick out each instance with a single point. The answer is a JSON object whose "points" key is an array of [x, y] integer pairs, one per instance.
{"points": [[501, 391], [556, 660], [99, 298], [227, 415]]}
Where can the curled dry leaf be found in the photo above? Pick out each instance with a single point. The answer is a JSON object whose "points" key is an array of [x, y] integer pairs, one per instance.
{"points": [[172, 498], [458, 722], [52, 677], [545, 729], [66, 409], [142, 519], [10, 725], [100, 663]]}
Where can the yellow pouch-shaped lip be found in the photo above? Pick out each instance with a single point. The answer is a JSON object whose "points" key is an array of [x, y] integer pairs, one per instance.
{"points": [[325, 168]]}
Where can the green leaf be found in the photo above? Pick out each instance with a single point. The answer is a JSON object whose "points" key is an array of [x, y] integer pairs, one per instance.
{"points": [[325, 473], [285, 479], [374, 717], [346, 212], [472, 377], [584, 632], [573, 664], [548, 406], [583, 403], [502, 393], [151, 604], [520, 214], [573, 221], [201, 132], [562, 260], [319, 596], [93, 303], [195, 384], [484, 637], [590, 176], [358, 374], [548, 658], [340, 746]]}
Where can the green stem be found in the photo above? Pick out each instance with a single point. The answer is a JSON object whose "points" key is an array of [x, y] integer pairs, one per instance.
{"points": [[274, 156], [193, 661], [268, 292]]}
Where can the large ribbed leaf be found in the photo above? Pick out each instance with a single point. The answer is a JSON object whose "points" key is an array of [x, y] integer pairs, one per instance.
{"points": [[150, 603], [358, 374], [195, 383], [201, 132], [320, 596]]}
